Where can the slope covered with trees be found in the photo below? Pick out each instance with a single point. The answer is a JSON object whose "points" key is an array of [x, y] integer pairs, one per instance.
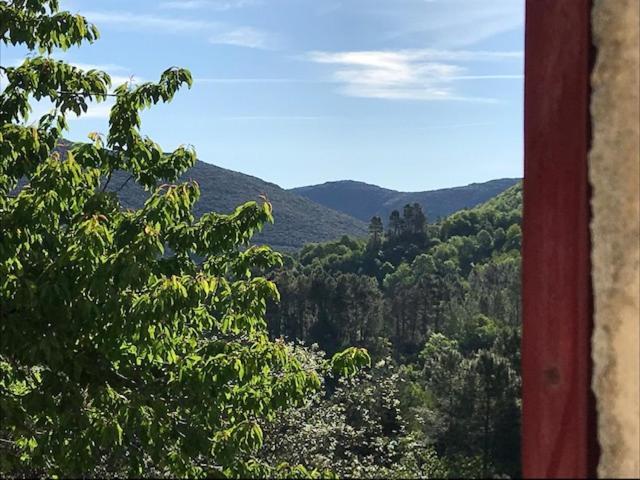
{"points": [[298, 220], [363, 201], [308, 214], [438, 307]]}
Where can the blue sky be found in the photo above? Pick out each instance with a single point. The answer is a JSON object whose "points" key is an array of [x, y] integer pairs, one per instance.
{"points": [[406, 94]]}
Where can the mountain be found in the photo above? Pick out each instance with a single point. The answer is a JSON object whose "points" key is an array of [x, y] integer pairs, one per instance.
{"points": [[363, 201], [298, 220], [313, 214]]}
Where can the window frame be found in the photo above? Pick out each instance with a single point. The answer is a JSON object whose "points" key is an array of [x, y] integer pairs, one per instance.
{"points": [[559, 435]]}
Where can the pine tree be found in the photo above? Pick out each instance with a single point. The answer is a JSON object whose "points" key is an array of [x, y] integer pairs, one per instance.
{"points": [[376, 232], [395, 224]]}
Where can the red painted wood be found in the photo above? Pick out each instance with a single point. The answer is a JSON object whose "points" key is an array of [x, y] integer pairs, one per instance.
{"points": [[558, 425]]}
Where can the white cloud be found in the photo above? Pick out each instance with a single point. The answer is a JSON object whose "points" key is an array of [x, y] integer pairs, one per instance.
{"points": [[487, 77], [387, 57], [212, 4], [217, 32], [138, 21], [250, 80], [451, 23], [94, 111], [420, 74], [272, 117], [457, 125], [107, 67], [118, 73], [245, 37]]}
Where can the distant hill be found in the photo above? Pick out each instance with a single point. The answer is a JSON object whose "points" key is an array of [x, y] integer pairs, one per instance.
{"points": [[362, 200], [312, 214], [298, 220]]}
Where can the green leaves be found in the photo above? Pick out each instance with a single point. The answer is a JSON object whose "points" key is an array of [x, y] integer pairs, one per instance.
{"points": [[124, 122], [130, 341], [69, 88], [37, 24], [350, 361]]}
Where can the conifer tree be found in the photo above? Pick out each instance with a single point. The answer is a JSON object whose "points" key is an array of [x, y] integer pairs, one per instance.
{"points": [[376, 232]]}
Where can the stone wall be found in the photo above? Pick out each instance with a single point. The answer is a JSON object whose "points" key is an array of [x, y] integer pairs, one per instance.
{"points": [[615, 177]]}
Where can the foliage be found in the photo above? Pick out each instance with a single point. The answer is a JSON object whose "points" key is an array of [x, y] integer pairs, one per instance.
{"points": [[297, 220], [443, 300], [356, 429], [119, 353], [361, 427], [420, 278]]}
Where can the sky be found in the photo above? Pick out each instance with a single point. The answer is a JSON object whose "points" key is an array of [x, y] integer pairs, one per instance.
{"points": [[406, 94]]}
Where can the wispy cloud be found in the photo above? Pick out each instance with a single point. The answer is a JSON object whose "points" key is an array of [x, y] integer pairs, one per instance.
{"points": [[424, 54], [420, 74], [216, 32], [272, 117], [118, 73], [107, 67], [451, 23], [94, 111], [205, 80], [211, 4], [146, 21], [457, 125], [245, 37], [488, 77]]}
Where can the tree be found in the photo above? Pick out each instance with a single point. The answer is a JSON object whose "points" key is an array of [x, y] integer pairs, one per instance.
{"points": [[496, 420], [395, 224], [514, 238], [475, 415], [118, 350], [418, 220], [357, 430], [485, 242], [376, 231]]}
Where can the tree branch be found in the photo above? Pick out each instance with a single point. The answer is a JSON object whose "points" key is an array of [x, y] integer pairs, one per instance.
{"points": [[108, 180], [124, 183]]}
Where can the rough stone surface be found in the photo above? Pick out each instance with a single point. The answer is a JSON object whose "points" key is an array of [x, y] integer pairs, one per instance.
{"points": [[615, 177]]}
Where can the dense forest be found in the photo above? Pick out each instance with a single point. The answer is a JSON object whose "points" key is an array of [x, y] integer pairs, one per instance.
{"points": [[438, 308]]}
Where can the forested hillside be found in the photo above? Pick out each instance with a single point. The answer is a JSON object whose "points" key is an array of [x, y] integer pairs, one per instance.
{"points": [[362, 200], [438, 307], [298, 220], [309, 214]]}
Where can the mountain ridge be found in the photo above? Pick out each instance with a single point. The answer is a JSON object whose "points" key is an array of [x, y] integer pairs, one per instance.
{"points": [[363, 200], [298, 220], [299, 217]]}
